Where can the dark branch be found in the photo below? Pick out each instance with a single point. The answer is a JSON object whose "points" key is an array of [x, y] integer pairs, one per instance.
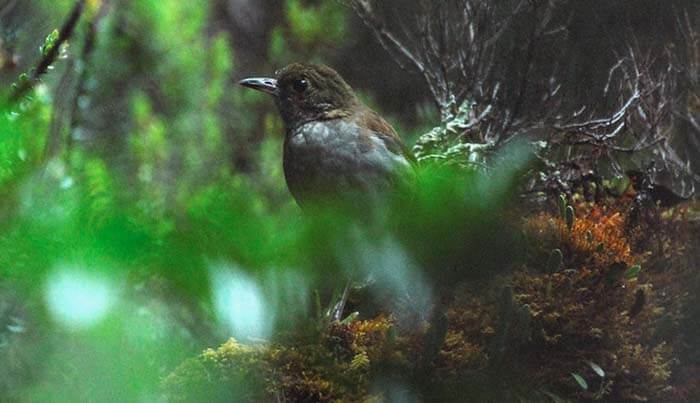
{"points": [[50, 56]]}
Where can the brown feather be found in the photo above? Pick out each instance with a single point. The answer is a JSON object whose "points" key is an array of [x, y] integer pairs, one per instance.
{"points": [[370, 119]]}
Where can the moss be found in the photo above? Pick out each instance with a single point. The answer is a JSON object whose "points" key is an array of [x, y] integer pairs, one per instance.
{"points": [[585, 318], [337, 368]]}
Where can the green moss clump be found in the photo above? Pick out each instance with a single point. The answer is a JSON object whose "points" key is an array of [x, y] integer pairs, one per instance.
{"points": [[338, 368]]}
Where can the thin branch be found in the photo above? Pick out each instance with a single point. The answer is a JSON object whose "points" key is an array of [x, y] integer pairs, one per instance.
{"points": [[504, 25], [385, 36], [601, 123], [49, 58]]}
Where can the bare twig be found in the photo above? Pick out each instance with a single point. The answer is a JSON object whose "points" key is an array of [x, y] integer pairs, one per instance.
{"points": [[490, 72]]}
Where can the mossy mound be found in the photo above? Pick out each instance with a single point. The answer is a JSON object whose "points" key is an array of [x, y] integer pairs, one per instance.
{"points": [[611, 320]]}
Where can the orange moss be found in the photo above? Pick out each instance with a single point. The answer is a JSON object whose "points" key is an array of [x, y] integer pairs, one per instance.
{"points": [[598, 237], [459, 354], [584, 312], [368, 336]]}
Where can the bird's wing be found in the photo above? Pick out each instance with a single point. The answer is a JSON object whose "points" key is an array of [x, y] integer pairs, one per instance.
{"points": [[377, 125], [386, 151]]}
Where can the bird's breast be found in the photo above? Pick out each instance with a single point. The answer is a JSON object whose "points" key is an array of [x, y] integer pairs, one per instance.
{"points": [[335, 156]]}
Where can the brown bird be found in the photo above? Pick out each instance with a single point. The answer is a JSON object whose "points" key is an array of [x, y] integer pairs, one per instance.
{"points": [[335, 147]]}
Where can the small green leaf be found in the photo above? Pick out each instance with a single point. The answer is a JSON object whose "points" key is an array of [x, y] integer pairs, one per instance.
{"points": [[562, 206], [555, 261], [581, 382], [569, 217], [596, 368], [49, 43], [53, 36], [350, 318], [633, 271], [619, 184]]}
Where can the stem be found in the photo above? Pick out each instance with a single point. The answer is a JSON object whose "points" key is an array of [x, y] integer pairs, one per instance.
{"points": [[50, 57]]}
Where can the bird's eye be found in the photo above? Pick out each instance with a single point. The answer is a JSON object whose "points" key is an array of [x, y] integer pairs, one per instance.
{"points": [[300, 85]]}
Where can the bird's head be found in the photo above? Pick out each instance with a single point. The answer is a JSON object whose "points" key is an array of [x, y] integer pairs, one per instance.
{"points": [[305, 92]]}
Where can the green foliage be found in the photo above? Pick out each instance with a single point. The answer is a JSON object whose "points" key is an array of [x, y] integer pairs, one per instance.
{"points": [[164, 226], [555, 261], [633, 272], [23, 129], [311, 24], [446, 144], [310, 27], [506, 307], [49, 43], [86, 220], [278, 46], [100, 192], [569, 217], [122, 226], [563, 203], [566, 211], [579, 379]]}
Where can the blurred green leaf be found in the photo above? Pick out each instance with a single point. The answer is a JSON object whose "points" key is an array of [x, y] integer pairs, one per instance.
{"points": [[633, 272], [579, 379]]}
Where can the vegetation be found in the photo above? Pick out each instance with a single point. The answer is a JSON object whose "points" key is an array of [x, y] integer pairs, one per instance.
{"points": [[545, 250]]}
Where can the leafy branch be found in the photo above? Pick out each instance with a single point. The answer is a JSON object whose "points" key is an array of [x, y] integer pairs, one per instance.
{"points": [[50, 51]]}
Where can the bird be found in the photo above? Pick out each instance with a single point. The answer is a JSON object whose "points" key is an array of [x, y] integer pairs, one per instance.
{"points": [[335, 147]]}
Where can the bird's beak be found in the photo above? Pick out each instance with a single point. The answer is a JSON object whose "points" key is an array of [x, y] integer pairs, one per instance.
{"points": [[266, 85]]}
